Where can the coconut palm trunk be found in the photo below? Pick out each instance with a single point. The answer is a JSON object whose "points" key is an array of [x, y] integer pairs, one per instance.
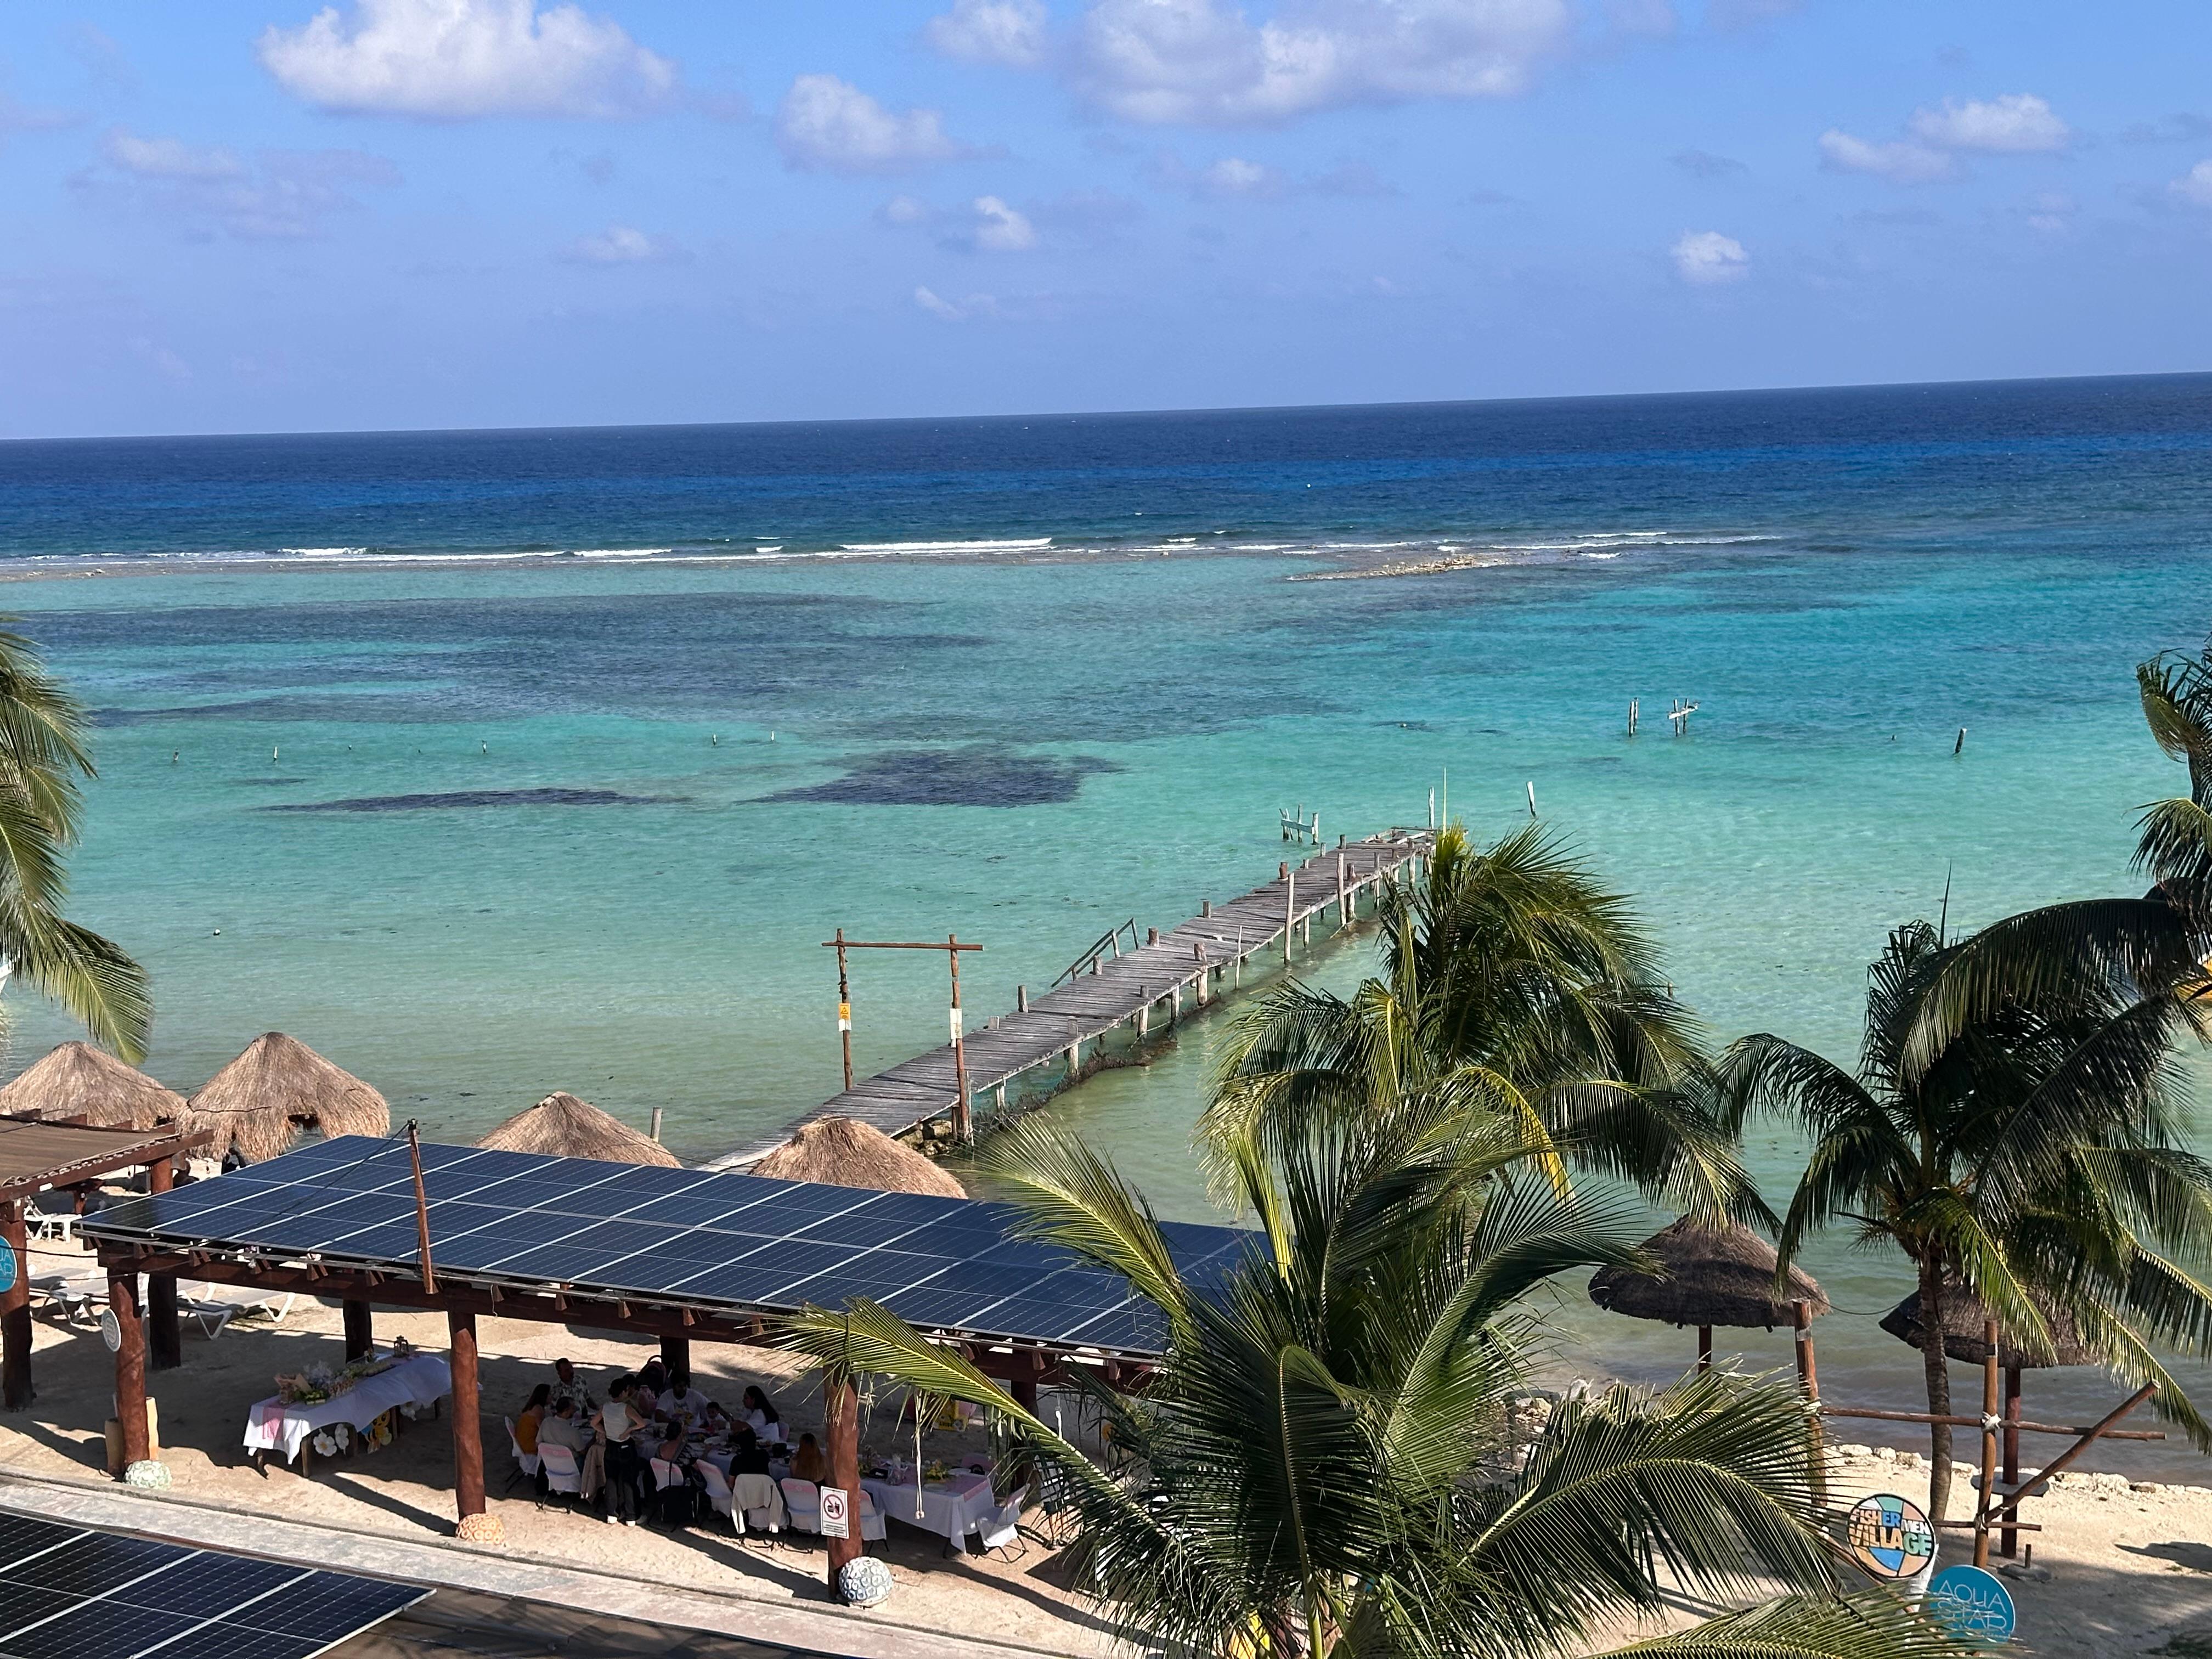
{"points": [[1937, 1364]]}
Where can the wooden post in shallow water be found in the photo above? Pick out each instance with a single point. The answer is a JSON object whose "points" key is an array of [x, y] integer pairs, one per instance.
{"points": [[1289, 911], [844, 1009]]}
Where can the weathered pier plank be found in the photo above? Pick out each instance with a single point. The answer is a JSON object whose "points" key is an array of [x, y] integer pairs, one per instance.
{"points": [[1134, 988]]}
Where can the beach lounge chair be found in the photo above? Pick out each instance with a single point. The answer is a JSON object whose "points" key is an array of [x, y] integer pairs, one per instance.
{"points": [[242, 1300], [1003, 1531], [802, 1501], [561, 1474], [79, 1296], [214, 1316], [526, 1463]]}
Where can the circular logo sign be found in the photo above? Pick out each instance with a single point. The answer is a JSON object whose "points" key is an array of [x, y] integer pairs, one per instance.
{"points": [[7, 1269], [1972, 1605], [1889, 1536], [110, 1332]]}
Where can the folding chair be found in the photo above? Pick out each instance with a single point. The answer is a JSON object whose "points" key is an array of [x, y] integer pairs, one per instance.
{"points": [[563, 1477], [720, 1500], [802, 1501], [672, 1492], [1003, 1531], [526, 1463], [756, 1498]]}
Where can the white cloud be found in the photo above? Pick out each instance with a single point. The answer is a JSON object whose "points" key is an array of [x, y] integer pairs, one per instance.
{"points": [[168, 158], [1201, 63], [1232, 175], [1009, 32], [903, 210], [1706, 257], [957, 311], [453, 59], [280, 195], [25, 118], [830, 124], [1001, 229], [2017, 123], [1901, 163], [621, 245], [2195, 186], [2050, 211]]}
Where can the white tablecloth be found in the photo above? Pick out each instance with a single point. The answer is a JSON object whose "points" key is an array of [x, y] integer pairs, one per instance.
{"points": [[951, 1507], [271, 1425]]}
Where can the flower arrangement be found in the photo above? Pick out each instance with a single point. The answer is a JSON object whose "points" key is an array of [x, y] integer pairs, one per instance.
{"points": [[313, 1386]]}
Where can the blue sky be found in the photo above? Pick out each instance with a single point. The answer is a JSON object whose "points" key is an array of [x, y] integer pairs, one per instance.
{"points": [[257, 215]]}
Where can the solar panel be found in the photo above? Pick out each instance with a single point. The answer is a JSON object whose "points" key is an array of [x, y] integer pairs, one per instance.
{"points": [[706, 1239], [66, 1593]]}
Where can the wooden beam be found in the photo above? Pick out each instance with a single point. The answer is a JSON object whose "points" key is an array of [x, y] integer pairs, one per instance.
{"points": [[15, 1312], [129, 1367], [468, 1434], [164, 1347]]}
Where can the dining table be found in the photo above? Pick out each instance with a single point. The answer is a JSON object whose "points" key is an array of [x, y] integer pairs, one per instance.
{"points": [[271, 1424], [959, 1503]]}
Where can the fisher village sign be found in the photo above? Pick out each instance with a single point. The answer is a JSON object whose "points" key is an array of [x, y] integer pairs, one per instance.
{"points": [[1890, 1536]]}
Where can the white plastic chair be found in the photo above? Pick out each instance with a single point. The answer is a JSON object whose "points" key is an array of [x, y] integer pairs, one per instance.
{"points": [[526, 1463], [758, 1500], [719, 1497], [665, 1474], [561, 1474], [802, 1501], [1003, 1530]]}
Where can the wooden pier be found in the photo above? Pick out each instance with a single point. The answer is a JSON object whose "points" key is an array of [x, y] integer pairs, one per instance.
{"points": [[1111, 988]]}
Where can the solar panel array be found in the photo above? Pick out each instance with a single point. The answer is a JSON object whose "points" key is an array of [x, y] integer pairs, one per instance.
{"points": [[714, 1241], [66, 1593]]}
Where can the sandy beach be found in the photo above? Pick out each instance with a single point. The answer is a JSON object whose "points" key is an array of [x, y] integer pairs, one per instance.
{"points": [[2120, 1568]]}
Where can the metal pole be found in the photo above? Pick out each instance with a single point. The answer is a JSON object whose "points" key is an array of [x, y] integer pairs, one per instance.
{"points": [[844, 1010], [961, 1129], [422, 1210]]}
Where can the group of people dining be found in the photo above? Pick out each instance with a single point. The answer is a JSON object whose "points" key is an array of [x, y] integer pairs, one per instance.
{"points": [[655, 1413]]}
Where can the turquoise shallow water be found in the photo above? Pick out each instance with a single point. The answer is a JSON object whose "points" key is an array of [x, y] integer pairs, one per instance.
{"points": [[1030, 746]]}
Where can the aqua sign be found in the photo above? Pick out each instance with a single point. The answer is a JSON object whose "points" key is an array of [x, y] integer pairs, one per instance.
{"points": [[1972, 1605], [7, 1269]]}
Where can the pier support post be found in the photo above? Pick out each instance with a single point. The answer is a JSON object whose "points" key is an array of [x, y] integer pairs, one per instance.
{"points": [[1289, 911], [1199, 950], [1144, 1016], [1343, 895], [1021, 998]]}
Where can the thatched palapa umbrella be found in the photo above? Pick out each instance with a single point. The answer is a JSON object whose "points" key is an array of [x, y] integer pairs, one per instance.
{"points": [[1709, 1276], [561, 1126], [261, 1101], [843, 1152], [78, 1080], [1964, 1316]]}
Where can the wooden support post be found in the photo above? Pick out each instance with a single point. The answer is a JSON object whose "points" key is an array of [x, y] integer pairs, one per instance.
{"points": [[15, 1312], [676, 1355], [1989, 1444], [360, 1329], [1199, 950], [841, 1424], [474, 1524], [1343, 895], [165, 1348], [2009, 1545], [963, 1128], [1704, 1348], [1021, 998], [130, 1369], [1809, 1383], [1145, 1015], [1289, 911]]}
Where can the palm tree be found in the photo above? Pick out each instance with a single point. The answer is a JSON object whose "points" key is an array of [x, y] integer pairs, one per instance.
{"points": [[2029, 1157], [42, 754], [1319, 1465], [1515, 985]]}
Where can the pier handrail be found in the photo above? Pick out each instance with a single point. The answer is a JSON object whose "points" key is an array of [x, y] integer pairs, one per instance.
{"points": [[1109, 941]]}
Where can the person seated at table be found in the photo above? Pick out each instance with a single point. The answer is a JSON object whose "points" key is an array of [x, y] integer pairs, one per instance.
{"points": [[808, 1462], [533, 1415], [760, 1415], [747, 1455], [568, 1384], [561, 1428], [716, 1423], [682, 1399], [653, 1378]]}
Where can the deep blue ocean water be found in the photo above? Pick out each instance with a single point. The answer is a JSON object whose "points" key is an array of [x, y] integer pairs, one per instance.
{"points": [[491, 764]]}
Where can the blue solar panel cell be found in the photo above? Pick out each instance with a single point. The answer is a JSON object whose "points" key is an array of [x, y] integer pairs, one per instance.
{"points": [[203, 1585], [91, 1563], [24, 1604], [95, 1630]]}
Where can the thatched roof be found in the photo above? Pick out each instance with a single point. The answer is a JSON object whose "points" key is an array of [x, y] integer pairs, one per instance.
{"points": [[1707, 1278], [260, 1101], [1963, 1318], [561, 1126], [78, 1080], [846, 1152]]}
